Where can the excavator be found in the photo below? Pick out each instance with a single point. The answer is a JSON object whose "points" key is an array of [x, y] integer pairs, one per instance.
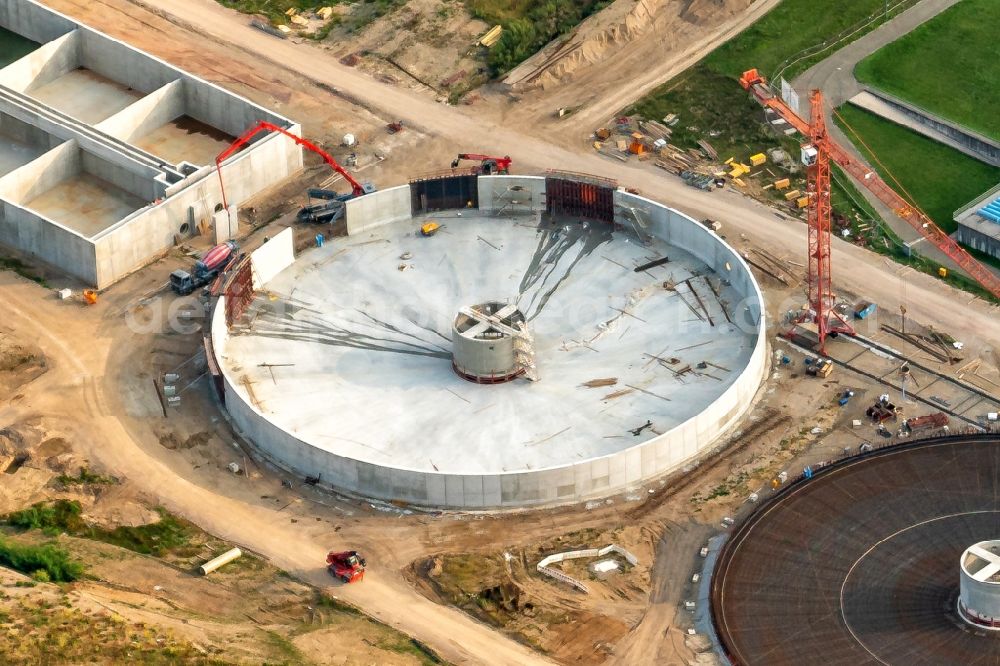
{"points": [[332, 206], [488, 165]]}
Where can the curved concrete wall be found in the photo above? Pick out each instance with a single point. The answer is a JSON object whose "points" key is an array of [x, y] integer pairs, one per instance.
{"points": [[586, 479]]}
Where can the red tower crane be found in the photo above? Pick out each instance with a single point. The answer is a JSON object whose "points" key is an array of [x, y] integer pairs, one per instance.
{"points": [[816, 156], [357, 189], [907, 210]]}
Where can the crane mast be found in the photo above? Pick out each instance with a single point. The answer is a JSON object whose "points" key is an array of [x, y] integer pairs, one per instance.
{"points": [[816, 157]]}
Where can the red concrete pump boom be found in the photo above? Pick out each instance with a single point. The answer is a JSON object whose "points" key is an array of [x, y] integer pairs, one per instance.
{"points": [[264, 126], [754, 82]]}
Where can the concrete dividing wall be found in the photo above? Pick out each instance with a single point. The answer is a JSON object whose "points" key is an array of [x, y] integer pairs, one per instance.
{"points": [[597, 477], [41, 174], [378, 209], [47, 241], [129, 178], [147, 114], [49, 62], [499, 195], [272, 257]]}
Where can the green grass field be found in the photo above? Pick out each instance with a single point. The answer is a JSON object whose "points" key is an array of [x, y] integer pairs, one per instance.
{"points": [[529, 25], [789, 29], [938, 178], [948, 66], [707, 96]]}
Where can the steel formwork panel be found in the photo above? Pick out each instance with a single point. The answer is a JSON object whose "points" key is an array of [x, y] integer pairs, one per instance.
{"points": [[239, 292], [444, 192], [569, 194]]}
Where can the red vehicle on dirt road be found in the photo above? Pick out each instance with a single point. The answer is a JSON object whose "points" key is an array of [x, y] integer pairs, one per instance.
{"points": [[347, 565]]}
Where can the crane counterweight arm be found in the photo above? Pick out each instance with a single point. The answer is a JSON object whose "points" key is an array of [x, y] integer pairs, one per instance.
{"points": [[264, 126], [753, 82]]}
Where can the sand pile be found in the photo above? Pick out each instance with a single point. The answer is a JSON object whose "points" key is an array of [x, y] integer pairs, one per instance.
{"points": [[603, 35]]}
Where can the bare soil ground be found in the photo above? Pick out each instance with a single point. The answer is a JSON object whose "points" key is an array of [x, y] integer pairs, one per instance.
{"points": [[503, 587], [425, 44], [139, 608], [20, 362]]}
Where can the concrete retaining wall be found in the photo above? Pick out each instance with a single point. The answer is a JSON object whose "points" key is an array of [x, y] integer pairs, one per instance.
{"points": [[34, 21], [50, 242], [933, 126], [120, 62], [597, 477], [378, 209], [272, 257]]}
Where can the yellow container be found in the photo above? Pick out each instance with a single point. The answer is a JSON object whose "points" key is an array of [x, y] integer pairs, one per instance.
{"points": [[802, 202], [758, 159], [942, 271], [782, 184], [791, 195]]}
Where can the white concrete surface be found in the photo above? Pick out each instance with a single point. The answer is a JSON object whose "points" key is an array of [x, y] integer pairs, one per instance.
{"points": [[377, 209], [369, 401], [273, 257]]}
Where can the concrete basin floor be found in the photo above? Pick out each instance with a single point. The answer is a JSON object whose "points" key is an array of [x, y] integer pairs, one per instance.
{"points": [[185, 139], [86, 204], [86, 95], [349, 348]]}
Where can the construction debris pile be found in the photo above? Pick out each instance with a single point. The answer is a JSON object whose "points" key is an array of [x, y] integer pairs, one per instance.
{"points": [[299, 22], [626, 137]]}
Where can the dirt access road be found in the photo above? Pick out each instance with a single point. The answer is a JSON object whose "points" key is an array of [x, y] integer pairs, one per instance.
{"points": [[623, 58]]}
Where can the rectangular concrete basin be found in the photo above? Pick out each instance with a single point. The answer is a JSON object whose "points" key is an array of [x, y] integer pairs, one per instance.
{"points": [[185, 139], [86, 95], [86, 204]]}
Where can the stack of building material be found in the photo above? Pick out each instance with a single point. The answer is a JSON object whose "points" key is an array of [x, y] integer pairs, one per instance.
{"points": [[709, 149], [655, 130]]}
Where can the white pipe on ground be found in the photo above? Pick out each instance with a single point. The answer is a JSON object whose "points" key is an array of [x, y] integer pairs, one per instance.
{"points": [[221, 560]]}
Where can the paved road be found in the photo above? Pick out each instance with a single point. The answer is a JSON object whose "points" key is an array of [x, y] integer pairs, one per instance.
{"points": [[835, 77]]}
